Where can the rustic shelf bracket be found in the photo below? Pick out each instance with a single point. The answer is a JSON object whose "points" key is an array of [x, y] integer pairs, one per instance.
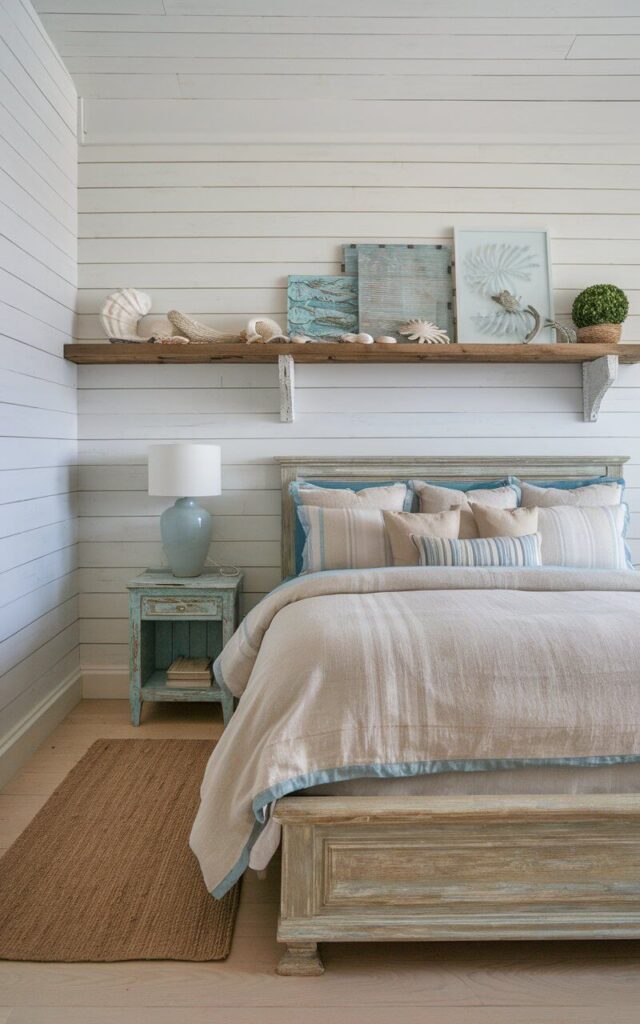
{"points": [[286, 373], [597, 378]]}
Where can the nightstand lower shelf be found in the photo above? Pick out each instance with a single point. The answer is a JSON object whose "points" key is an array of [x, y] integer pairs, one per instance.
{"points": [[155, 688]]}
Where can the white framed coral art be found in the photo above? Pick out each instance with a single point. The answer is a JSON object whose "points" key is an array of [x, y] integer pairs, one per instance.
{"points": [[503, 286]]}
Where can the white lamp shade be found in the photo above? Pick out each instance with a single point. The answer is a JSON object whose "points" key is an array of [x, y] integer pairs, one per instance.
{"points": [[184, 470]]}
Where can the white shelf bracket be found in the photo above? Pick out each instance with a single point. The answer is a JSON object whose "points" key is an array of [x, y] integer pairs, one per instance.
{"points": [[597, 378], [286, 373]]}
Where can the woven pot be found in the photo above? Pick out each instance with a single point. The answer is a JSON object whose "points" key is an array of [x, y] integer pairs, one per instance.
{"points": [[600, 334]]}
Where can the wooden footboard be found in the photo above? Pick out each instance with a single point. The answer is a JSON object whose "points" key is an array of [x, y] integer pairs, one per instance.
{"points": [[440, 868]]}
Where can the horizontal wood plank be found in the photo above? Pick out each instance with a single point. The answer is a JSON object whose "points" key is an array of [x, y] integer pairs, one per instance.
{"points": [[318, 352]]}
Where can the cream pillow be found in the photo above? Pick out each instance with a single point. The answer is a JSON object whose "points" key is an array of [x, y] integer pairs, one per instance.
{"points": [[402, 526], [505, 522], [583, 538], [343, 538], [590, 494], [441, 499], [392, 496]]}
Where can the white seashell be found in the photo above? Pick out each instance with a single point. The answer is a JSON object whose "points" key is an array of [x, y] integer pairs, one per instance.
{"points": [[386, 339], [262, 329], [194, 330], [358, 339], [299, 339], [174, 339], [424, 332], [161, 329], [122, 312]]}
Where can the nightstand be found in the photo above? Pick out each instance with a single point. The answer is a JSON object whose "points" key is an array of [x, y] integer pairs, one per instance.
{"points": [[169, 617]]}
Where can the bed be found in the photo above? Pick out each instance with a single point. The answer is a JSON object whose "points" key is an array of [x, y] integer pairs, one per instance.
{"points": [[434, 865]]}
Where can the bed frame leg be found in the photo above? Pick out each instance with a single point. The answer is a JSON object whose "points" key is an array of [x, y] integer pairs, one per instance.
{"points": [[300, 959]]}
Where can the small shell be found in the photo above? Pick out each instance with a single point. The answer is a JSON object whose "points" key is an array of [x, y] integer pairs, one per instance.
{"points": [[122, 312], [174, 339], [194, 330], [161, 329], [358, 339], [424, 332], [262, 329], [386, 339], [300, 339]]}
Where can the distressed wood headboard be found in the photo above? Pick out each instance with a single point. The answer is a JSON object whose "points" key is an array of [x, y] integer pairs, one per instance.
{"points": [[441, 468]]}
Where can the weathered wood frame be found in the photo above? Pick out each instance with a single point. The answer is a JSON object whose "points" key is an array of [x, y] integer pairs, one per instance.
{"points": [[452, 868]]}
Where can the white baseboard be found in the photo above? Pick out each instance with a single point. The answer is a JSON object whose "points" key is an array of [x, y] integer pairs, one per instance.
{"points": [[105, 683], [24, 738]]}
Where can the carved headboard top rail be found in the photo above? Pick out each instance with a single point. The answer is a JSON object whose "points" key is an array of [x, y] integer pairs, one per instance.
{"points": [[441, 468]]}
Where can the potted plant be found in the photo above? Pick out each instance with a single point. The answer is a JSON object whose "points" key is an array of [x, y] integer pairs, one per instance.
{"points": [[598, 313]]}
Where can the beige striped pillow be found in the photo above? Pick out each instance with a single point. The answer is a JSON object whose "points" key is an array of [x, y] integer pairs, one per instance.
{"points": [[343, 538]]}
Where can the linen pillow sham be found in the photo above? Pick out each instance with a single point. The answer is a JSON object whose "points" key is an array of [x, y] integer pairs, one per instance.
{"points": [[591, 494], [583, 538], [346, 494], [343, 538], [505, 522], [401, 526], [434, 498], [503, 552]]}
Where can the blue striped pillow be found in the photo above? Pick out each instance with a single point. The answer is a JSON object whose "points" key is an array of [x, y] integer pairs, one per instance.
{"points": [[503, 552]]}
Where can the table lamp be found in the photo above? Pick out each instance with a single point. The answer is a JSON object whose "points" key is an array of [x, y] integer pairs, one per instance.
{"points": [[185, 471]]}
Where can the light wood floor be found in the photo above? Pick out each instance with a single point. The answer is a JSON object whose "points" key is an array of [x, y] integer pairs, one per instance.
{"points": [[460, 983]]}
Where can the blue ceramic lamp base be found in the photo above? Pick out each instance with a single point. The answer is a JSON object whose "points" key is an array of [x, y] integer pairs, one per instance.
{"points": [[186, 534]]}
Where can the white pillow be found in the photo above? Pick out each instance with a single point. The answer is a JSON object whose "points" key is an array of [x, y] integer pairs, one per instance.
{"points": [[343, 538], [590, 494], [583, 538], [441, 499]]}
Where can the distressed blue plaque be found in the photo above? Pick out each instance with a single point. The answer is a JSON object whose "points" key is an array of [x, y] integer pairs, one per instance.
{"points": [[322, 306], [401, 282]]}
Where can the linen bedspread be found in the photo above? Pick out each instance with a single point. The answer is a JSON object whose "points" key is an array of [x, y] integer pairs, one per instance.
{"points": [[404, 671]]}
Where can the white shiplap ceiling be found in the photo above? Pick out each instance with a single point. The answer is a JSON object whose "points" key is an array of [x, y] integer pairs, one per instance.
{"points": [[370, 70]]}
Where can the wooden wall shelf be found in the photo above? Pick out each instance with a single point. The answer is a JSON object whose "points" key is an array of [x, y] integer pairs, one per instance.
{"points": [[599, 362], [317, 352]]}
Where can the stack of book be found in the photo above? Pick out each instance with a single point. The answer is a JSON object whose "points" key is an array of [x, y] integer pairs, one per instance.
{"points": [[190, 672]]}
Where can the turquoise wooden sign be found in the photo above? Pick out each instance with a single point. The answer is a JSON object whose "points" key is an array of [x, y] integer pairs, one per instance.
{"points": [[322, 306]]}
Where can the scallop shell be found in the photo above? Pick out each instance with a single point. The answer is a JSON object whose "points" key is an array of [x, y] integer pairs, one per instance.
{"points": [[122, 312], [262, 329], [386, 339], [194, 330], [358, 339], [299, 339], [424, 332]]}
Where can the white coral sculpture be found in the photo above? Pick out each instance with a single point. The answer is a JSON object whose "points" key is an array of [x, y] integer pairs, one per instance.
{"points": [[424, 332], [194, 330], [497, 267]]}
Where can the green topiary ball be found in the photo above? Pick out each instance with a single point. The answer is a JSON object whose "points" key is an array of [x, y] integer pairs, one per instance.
{"points": [[600, 304]]}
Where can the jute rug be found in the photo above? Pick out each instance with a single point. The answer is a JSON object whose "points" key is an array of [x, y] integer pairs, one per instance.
{"points": [[104, 871]]}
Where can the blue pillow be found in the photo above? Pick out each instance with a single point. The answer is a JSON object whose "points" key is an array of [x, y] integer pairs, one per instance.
{"points": [[335, 485], [570, 485]]}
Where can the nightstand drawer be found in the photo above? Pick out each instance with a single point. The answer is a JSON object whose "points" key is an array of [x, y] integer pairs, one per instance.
{"points": [[189, 607]]}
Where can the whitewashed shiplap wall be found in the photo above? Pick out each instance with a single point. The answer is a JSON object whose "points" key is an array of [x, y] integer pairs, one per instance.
{"points": [[225, 149], [39, 631], [226, 265]]}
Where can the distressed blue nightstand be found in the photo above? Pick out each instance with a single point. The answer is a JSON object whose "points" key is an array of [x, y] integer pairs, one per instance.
{"points": [[169, 617]]}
